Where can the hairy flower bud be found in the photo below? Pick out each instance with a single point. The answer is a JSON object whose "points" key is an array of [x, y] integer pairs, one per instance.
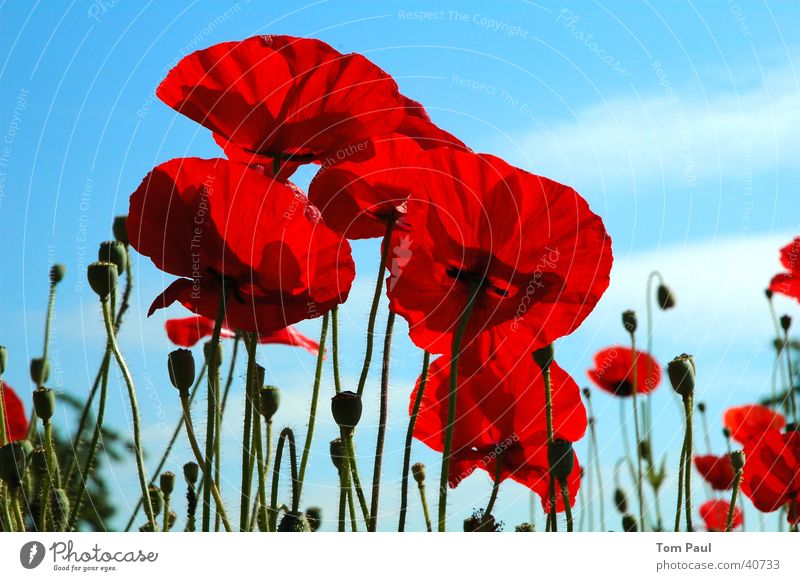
{"points": [[207, 353], [629, 321], [737, 460], [294, 522], [786, 322], [120, 229], [57, 273], [346, 408], [681, 371], [38, 462], [40, 370], [44, 402], [666, 300], [114, 252], [102, 278], [418, 471], [270, 399], [156, 498], [525, 527], [191, 472], [13, 462], [180, 364], [167, 482], [561, 459], [314, 518], [337, 453]]}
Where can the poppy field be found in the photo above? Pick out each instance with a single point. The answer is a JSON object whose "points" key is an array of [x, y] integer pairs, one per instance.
{"points": [[486, 267]]}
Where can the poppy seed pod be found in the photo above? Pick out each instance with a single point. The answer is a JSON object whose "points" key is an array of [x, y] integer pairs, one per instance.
{"points": [[102, 278], [737, 460], [294, 522], [156, 498], [629, 524], [621, 501], [57, 273], [786, 322], [337, 453], [180, 364], [120, 229], [191, 472], [3, 359], [346, 407], [13, 462], [44, 402], [167, 482], [314, 518], [114, 252], [561, 459], [40, 370], [544, 357], [681, 371], [666, 300], [418, 471], [629, 321], [207, 353], [269, 401]]}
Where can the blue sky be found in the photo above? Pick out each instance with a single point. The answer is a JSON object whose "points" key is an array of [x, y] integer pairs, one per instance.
{"points": [[674, 120]]}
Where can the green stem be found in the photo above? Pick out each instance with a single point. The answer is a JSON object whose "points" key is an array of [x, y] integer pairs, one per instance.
{"points": [[351, 507], [451, 404], [634, 390], [343, 486], [250, 344], [593, 443], [46, 486], [688, 406], [337, 382], [137, 439], [382, 418], [9, 524], [412, 420], [213, 405], [732, 508], [495, 488], [567, 507], [165, 527], [681, 468], [14, 493], [286, 434], [261, 497], [548, 398], [351, 461], [376, 297], [3, 441], [788, 356], [312, 414], [424, 500]]}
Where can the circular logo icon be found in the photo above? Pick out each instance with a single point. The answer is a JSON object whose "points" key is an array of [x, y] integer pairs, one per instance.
{"points": [[31, 554]]}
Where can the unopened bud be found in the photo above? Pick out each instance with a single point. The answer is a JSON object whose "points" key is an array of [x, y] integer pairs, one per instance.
{"points": [[13, 462], [270, 399], [629, 321], [57, 273], [156, 499], [114, 252], [666, 300], [191, 472], [180, 364], [768, 293], [621, 500], [786, 322], [40, 370], [587, 393], [701, 407], [218, 356], [418, 471], [59, 501], [120, 229], [294, 522], [681, 371], [44, 402], [525, 527], [544, 357], [102, 278], [737, 460], [561, 459], [172, 519], [346, 408], [337, 453], [38, 462], [314, 518], [167, 482], [644, 451], [629, 524]]}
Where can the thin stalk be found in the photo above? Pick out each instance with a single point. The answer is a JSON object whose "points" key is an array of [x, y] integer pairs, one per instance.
{"points": [[634, 390], [382, 418], [261, 497], [337, 382], [3, 441], [548, 398], [351, 461], [412, 420], [451, 404], [165, 527], [286, 434], [376, 297], [250, 344], [14, 493], [351, 507], [681, 468], [688, 403], [567, 507], [312, 414], [495, 488], [706, 436], [593, 443], [213, 406], [343, 486], [424, 501], [732, 508], [9, 524], [788, 356]]}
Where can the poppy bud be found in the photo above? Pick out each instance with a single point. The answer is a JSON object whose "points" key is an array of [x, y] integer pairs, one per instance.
{"points": [[737, 460], [701, 407], [59, 501], [167, 482], [269, 401], [294, 522], [314, 518], [544, 357], [260, 375], [3, 359], [346, 407], [621, 501], [587, 393], [681, 372], [525, 527], [120, 229], [791, 427], [644, 451], [57, 272], [786, 322], [191, 471], [172, 519], [666, 300], [44, 402], [146, 528], [38, 462], [156, 498], [114, 252], [629, 524], [727, 433], [207, 353], [561, 459], [629, 321], [40, 370], [102, 278], [13, 462], [481, 523], [768, 294], [181, 369], [418, 471], [337, 453]]}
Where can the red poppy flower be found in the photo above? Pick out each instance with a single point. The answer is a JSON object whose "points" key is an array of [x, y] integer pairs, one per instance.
{"points": [[188, 331], [613, 371], [417, 124], [715, 515], [15, 418], [283, 99], [214, 220], [771, 476], [538, 257], [788, 283], [749, 422], [717, 471], [500, 413]]}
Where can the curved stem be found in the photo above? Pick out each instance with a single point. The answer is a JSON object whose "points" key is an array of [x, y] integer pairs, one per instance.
{"points": [[634, 390], [231, 369], [312, 414], [412, 420], [137, 439], [451, 404], [732, 508], [198, 454], [376, 297], [337, 382], [286, 434], [382, 418], [351, 461], [495, 488]]}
